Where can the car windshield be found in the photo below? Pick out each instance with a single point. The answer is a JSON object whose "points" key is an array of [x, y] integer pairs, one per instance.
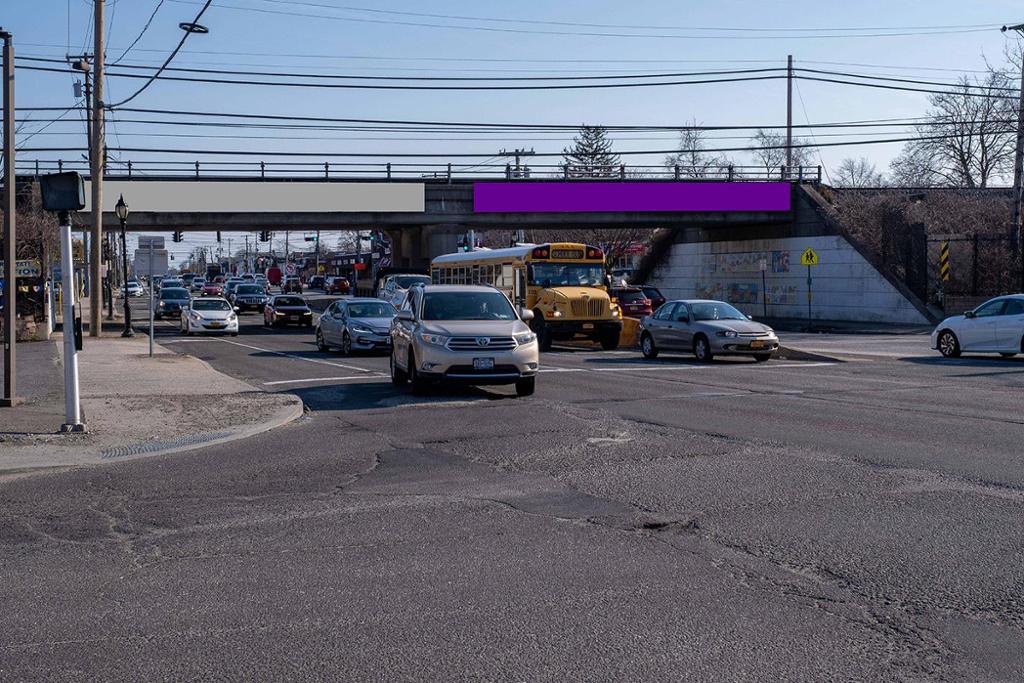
{"points": [[371, 310], [407, 281], [289, 301], [631, 297], [173, 293], [715, 310], [467, 306], [248, 289], [651, 292], [171, 283], [566, 274], [210, 305]]}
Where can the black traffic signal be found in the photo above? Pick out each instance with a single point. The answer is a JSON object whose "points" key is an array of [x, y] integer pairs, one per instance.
{"points": [[218, 235], [177, 236], [264, 235]]}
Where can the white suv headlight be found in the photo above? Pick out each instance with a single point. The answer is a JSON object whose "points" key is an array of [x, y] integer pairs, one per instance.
{"points": [[435, 339], [525, 338]]}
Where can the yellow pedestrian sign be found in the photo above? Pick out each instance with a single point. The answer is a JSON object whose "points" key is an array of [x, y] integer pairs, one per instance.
{"points": [[809, 258]]}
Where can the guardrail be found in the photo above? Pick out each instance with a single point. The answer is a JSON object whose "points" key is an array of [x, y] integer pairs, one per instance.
{"points": [[428, 172]]}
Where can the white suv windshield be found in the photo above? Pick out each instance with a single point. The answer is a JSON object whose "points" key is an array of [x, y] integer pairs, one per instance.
{"points": [[467, 306]]}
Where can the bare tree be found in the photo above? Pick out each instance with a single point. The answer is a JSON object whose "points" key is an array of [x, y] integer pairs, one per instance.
{"points": [[769, 151], [857, 173], [967, 139], [692, 160]]}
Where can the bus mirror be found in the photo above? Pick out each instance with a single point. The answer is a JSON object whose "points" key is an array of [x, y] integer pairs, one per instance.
{"points": [[525, 314]]}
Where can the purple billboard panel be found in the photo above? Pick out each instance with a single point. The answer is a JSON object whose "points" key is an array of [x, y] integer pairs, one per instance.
{"points": [[597, 197]]}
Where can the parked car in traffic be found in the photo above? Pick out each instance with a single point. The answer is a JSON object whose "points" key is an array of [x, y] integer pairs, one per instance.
{"points": [[996, 326], [466, 334], [209, 314], [171, 301], [395, 286], [213, 289], [654, 294], [291, 285], [248, 297], [287, 309], [361, 324], [338, 285], [134, 289], [706, 328], [229, 286], [632, 301]]}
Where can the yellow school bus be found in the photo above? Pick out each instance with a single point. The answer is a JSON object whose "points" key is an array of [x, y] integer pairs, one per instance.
{"points": [[563, 284]]}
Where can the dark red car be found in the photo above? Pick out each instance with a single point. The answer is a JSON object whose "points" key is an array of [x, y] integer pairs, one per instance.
{"points": [[213, 288], [654, 294], [338, 285], [632, 300]]}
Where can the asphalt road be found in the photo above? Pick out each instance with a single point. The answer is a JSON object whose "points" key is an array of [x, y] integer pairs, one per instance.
{"points": [[633, 520]]}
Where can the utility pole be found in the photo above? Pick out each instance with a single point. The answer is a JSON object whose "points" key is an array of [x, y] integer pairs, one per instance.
{"points": [[1016, 229], [97, 168], [789, 115], [286, 250], [10, 231], [518, 173], [247, 269]]}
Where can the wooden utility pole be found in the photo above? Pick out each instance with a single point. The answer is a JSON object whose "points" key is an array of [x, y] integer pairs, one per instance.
{"points": [[9, 254], [1016, 234], [789, 115], [97, 168]]}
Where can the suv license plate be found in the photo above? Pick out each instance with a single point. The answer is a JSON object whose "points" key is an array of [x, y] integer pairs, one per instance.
{"points": [[483, 363]]}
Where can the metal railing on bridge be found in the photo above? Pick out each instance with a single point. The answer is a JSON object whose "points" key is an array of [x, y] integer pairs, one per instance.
{"points": [[423, 172]]}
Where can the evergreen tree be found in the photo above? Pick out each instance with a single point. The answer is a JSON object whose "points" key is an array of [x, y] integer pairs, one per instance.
{"points": [[590, 155]]}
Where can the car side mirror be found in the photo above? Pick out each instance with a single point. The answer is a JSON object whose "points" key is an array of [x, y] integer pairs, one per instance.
{"points": [[237, 309], [526, 315], [404, 316], [969, 314], [750, 317]]}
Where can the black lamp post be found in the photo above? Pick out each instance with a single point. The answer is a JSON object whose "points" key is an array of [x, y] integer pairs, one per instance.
{"points": [[121, 209]]}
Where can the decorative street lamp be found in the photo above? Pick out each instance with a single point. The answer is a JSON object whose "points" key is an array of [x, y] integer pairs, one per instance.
{"points": [[121, 209]]}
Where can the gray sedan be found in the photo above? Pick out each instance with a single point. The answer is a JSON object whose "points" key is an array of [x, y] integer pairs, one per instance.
{"points": [[706, 328], [361, 324]]}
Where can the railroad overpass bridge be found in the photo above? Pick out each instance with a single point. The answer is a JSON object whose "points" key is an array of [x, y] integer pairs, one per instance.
{"points": [[424, 218]]}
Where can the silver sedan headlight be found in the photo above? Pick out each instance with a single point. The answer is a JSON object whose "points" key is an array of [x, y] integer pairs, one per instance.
{"points": [[726, 333]]}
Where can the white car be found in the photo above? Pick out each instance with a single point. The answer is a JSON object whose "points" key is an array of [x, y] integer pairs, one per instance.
{"points": [[134, 289], [209, 314], [394, 287], [996, 326]]}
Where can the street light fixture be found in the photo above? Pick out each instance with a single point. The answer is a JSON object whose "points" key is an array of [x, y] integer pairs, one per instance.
{"points": [[121, 209]]}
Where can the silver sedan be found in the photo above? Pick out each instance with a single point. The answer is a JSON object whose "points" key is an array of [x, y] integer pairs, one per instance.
{"points": [[705, 328], [360, 324]]}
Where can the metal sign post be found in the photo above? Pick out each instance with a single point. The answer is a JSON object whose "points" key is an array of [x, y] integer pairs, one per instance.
{"points": [[151, 244], [809, 258], [72, 410], [762, 264]]}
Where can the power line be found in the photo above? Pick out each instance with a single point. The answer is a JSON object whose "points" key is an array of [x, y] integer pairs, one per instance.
{"points": [[600, 34], [163, 66], [145, 28]]}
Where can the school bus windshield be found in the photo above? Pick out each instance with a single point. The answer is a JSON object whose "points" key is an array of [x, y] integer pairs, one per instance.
{"points": [[566, 274]]}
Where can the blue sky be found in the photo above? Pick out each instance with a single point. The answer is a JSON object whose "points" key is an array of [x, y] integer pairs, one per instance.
{"points": [[361, 42]]}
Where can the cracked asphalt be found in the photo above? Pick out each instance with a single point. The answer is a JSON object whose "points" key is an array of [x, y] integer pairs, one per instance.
{"points": [[633, 520]]}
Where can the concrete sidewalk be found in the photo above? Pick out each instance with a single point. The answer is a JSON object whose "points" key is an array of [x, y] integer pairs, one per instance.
{"points": [[133, 405]]}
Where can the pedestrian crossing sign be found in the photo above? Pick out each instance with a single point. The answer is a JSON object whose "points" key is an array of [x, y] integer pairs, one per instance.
{"points": [[809, 258]]}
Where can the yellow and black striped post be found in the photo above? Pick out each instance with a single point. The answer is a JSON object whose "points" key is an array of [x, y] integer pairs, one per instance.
{"points": [[944, 261]]}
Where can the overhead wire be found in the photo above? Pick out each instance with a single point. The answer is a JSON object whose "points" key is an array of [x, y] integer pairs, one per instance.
{"points": [[135, 42]]}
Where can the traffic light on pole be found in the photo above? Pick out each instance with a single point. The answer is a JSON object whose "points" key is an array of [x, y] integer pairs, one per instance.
{"points": [[177, 236]]}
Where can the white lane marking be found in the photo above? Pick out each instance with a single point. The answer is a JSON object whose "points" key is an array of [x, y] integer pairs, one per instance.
{"points": [[324, 379], [562, 370], [187, 341], [297, 357], [706, 367]]}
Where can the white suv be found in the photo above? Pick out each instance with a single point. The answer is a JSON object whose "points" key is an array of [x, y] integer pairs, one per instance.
{"points": [[463, 334]]}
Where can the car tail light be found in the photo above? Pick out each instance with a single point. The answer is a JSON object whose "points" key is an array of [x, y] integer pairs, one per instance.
{"points": [[540, 252], [593, 252]]}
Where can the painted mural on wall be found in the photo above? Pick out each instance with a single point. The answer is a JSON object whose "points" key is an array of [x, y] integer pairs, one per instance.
{"points": [[747, 293], [746, 262]]}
